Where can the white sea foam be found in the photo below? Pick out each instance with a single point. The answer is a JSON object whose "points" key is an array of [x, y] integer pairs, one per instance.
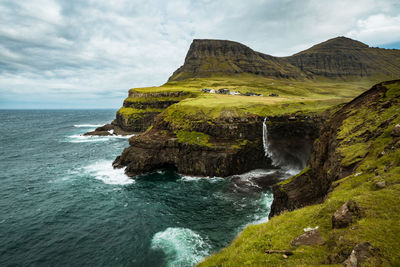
{"points": [[181, 246], [88, 125], [265, 203], [104, 171], [185, 178], [78, 138]]}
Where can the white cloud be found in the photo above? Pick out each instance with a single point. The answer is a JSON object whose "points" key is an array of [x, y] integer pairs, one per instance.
{"points": [[61, 51], [377, 29]]}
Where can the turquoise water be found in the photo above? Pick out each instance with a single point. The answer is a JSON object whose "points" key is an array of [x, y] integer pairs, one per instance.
{"points": [[62, 203]]}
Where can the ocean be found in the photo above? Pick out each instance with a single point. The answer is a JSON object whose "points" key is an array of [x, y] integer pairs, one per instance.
{"points": [[62, 203]]}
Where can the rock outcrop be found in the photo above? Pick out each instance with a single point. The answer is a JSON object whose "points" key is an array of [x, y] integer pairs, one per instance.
{"points": [[139, 110], [222, 147]]}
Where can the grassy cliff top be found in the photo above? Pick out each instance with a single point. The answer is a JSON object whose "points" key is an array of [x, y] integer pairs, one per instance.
{"points": [[365, 139], [294, 96]]}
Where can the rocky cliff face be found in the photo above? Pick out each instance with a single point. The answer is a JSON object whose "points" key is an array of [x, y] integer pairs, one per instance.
{"points": [[222, 147], [139, 110], [340, 57], [326, 164]]}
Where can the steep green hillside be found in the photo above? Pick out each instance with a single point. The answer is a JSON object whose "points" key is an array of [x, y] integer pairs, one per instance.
{"points": [[365, 162]]}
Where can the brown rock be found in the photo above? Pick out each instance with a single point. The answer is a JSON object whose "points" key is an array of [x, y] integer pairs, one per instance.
{"points": [[98, 133], [386, 104], [380, 185], [309, 238], [345, 215], [395, 131], [360, 253]]}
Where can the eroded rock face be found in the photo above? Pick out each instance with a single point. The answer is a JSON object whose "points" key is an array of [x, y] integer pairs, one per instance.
{"points": [[346, 214], [235, 146], [160, 148]]}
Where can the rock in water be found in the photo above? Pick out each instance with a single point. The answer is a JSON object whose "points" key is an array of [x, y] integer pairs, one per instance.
{"points": [[345, 215]]}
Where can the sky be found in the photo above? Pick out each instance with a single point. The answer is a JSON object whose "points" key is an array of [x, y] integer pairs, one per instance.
{"points": [[59, 54]]}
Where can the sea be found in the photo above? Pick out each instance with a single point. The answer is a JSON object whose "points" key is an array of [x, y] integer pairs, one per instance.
{"points": [[63, 204]]}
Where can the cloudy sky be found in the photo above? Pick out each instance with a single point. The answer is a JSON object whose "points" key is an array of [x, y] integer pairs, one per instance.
{"points": [[87, 54]]}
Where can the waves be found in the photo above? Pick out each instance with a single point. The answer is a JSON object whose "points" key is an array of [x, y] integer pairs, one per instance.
{"points": [[181, 246], [78, 138], [104, 171], [88, 125]]}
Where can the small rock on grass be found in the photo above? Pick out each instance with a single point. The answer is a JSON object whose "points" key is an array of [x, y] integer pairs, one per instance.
{"points": [[346, 214], [309, 238], [359, 254]]}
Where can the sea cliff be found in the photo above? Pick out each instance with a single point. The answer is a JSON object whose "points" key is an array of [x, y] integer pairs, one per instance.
{"points": [[343, 208]]}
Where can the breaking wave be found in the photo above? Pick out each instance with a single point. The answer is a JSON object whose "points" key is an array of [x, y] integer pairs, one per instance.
{"points": [[104, 171], [77, 138], [88, 125], [181, 246]]}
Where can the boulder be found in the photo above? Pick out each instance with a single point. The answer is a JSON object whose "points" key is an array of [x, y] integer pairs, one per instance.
{"points": [[359, 254], [309, 238], [380, 185], [346, 214], [395, 131]]}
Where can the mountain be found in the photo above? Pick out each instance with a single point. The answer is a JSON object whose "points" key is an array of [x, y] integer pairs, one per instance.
{"points": [[213, 57], [339, 57]]}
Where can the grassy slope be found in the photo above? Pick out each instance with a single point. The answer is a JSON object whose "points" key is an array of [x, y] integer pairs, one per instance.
{"points": [[381, 210], [294, 96]]}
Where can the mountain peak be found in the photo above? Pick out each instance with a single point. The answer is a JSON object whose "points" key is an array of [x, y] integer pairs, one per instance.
{"points": [[340, 42]]}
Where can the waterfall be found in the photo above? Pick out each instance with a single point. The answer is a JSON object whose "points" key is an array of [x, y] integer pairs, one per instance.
{"points": [[282, 158], [276, 162], [268, 152]]}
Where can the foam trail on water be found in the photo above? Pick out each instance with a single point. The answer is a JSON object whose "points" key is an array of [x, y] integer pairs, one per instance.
{"points": [[77, 138], [185, 178], [181, 246], [104, 171], [88, 125]]}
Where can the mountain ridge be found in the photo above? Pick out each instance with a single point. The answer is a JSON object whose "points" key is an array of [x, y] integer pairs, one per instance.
{"points": [[337, 58]]}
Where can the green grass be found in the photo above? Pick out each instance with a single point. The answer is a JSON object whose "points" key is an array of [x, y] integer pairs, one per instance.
{"points": [[193, 138], [133, 113], [379, 224]]}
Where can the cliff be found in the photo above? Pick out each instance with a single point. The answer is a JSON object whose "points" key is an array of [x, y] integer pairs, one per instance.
{"points": [[223, 146], [221, 64], [344, 207]]}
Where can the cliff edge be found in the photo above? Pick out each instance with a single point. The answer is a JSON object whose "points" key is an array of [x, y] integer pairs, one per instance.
{"points": [[344, 207]]}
